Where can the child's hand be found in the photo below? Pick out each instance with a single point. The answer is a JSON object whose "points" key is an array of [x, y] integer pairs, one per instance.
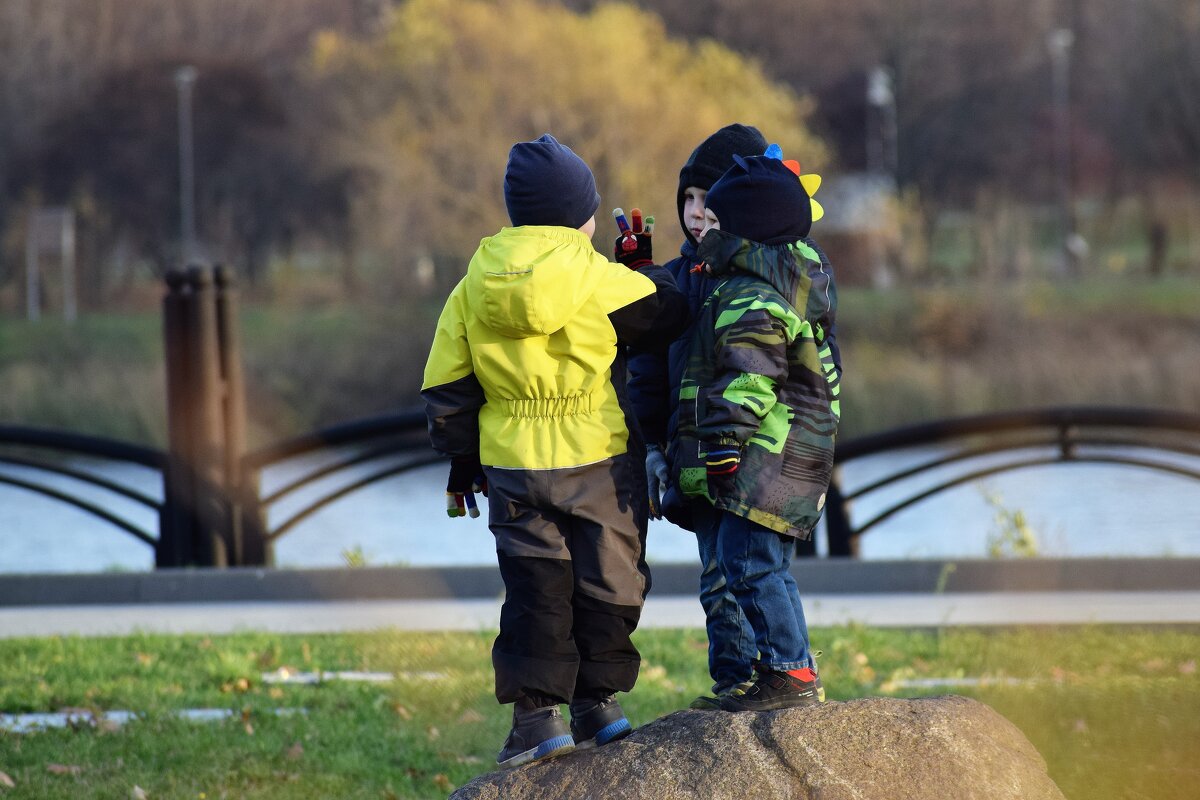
{"points": [[466, 478], [657, 475], [722, 464], [633, 247]]}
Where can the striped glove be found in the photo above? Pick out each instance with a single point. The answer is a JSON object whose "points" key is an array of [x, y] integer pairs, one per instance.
{"points": [[466, 478], [722, 462]]}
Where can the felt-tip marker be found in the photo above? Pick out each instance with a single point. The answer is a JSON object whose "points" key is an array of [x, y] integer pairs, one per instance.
{"points": [[619, 216]]}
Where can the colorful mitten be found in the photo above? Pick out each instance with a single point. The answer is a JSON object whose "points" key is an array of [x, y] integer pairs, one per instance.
{"points": [[466, 478], [633, 246]]}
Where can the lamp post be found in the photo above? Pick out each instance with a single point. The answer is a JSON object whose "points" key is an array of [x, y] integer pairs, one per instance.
{"points": [[881, 136], [1060, 42], [185, 78]]}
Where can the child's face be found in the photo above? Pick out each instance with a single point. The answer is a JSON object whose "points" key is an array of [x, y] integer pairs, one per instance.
{"points": [[693, 210], [711, 223]]}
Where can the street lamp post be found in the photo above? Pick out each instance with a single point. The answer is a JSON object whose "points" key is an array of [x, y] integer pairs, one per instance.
{"points": [[881, 135], [185, 78], [1060, 42]]}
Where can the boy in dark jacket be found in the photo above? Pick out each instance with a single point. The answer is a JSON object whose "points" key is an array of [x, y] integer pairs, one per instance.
{"points": [[525, 387], [654, 392], [758, 412]]}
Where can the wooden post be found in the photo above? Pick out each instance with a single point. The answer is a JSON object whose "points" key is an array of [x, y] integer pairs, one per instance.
{"points": [[211, 542], [247, 528], [176, 525]]}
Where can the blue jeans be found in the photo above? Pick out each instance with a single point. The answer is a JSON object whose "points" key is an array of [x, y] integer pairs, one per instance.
{"points": [[731, 648], [756, 563]]}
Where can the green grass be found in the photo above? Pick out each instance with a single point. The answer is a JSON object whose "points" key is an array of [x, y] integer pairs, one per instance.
{"points": [[1115, 711]]}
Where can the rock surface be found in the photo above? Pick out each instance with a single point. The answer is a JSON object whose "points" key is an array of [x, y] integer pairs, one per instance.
{"points": [[872, 749]]}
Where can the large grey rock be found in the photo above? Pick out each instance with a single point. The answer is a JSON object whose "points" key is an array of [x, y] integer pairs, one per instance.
{"points": [[872, 749]]}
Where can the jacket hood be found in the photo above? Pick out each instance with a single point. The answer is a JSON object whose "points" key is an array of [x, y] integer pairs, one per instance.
{"points": [[793, 269], [529, 281]]}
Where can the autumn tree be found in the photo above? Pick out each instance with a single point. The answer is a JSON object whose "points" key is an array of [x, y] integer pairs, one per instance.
{"points": [[431, 107]]}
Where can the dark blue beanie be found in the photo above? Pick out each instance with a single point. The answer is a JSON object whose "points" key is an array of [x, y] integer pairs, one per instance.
{"points": [[547, 184], [762, 200]]}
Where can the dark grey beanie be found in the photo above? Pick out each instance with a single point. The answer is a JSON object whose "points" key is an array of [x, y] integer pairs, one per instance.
{"points": [[712, 157], [547, 184]]}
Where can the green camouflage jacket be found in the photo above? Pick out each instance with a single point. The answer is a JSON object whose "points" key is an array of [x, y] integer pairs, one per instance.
{"points": [[760, 375]]}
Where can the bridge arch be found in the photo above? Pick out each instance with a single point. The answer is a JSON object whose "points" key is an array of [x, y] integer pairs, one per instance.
{"points": [[1138, 438], [335, 462]]}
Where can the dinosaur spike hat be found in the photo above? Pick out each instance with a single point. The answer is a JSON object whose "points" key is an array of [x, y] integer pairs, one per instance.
{"points": [[765, 199], [811, 181]]}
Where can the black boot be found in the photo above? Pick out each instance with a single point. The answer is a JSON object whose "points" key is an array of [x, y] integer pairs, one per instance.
{"points": [[536, 733], [598, 721]]}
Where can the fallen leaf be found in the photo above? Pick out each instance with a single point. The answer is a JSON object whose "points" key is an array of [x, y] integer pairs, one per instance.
{"points": [[138, 793], [470, 717], [402, 712], [1187, 667], [469, 760], [6, 781], [442, 782], [64, 769], [145, 659], [433, 733]]}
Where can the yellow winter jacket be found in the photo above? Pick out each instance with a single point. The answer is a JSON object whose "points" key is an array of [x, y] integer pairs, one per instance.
{"points": [[529, 326]]}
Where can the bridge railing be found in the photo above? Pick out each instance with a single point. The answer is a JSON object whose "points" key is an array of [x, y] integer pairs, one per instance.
{"points": [[330, 464], [38, 459], [971, 448]]}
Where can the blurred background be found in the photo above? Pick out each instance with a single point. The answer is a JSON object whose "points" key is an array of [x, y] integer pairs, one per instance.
{"points": [[1012, 186]]}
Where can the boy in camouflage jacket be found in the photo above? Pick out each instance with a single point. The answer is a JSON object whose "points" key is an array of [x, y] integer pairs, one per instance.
{"points": [[758, 411]]}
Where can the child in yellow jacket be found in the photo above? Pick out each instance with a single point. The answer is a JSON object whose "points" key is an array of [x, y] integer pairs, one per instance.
{"points": [[524, 390]]}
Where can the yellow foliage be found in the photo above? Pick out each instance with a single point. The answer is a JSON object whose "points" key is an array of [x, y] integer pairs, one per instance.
{"points": [[431, 107]]}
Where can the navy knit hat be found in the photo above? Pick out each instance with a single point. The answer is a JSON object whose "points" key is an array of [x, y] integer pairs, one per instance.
{"points": [[547, 184], [760, 199], [714, 155]]}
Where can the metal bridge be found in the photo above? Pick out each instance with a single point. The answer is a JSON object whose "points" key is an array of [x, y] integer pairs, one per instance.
{"points": [[212, 511], [330, 464]]}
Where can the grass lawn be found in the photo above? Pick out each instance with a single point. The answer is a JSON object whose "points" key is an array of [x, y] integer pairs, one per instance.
{"points": [[1115, 711]]}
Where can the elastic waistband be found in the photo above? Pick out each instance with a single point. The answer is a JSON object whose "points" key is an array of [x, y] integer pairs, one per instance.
{"points": [[549, 407]]}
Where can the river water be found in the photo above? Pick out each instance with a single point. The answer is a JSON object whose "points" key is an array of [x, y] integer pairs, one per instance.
{"points": [[1075, 510]]}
